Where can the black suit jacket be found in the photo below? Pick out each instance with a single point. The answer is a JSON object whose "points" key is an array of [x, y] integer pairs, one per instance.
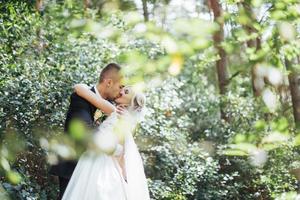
{"points": [[82, 110]]}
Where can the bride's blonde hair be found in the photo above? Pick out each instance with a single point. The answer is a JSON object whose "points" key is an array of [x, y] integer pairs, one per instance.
{"points": [[138, 101]]}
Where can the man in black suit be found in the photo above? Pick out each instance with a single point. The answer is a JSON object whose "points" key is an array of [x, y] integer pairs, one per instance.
{"points": [[108, 87]]}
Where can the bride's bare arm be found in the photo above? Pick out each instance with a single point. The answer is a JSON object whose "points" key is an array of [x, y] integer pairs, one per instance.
{"points": [[104, 105]]}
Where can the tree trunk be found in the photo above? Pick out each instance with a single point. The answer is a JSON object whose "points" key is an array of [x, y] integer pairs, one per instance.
{"points": [[145, 10], [248, 27], [221, 64], [39, 6], [87, 4], [294, 82], [252, 43], [40, 44]]}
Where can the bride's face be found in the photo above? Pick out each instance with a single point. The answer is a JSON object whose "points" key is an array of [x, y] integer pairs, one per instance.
{"points": [[126, 95]]}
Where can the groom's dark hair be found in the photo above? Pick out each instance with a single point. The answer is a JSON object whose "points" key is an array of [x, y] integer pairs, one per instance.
{"points": [[107, 70]]}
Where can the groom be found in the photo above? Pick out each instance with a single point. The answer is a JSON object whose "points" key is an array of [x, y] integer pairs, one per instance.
{"points": [[109, 87]]}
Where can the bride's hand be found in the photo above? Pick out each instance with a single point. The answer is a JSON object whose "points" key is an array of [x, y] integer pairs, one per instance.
{"points": [[122, 109]]}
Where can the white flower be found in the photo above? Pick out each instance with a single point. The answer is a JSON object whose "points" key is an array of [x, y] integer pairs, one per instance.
{"points": [[97, 114]]}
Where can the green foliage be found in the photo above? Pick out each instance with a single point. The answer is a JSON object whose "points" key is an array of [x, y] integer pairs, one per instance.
{"points": [[189, 152], [177, 164]]}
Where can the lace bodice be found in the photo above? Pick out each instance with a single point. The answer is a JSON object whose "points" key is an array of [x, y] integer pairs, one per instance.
{"points": [[106, 139], [108, 122]]}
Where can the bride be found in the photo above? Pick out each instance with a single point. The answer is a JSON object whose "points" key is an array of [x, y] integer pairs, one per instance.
{"points": [[114, 169]]}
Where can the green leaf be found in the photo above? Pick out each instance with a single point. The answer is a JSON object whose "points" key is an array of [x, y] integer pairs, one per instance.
{"points": [[234, 152], [275, 137], [14, 177], [297, 140], [239, 138], [77, 130], [246, 147]]}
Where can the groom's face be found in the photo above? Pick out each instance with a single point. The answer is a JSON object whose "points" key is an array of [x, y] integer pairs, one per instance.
{"points": [[115, 86]]}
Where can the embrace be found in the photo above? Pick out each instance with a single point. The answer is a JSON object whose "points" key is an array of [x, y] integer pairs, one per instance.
{"points": [[117, 174]]}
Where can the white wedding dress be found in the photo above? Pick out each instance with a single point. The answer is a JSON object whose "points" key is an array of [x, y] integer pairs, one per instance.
{"points": [[98, 176]]}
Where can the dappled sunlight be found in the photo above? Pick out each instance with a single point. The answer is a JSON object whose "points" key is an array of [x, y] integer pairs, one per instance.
{"points": [[270, 99], [258, 157], [221, 78]]}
